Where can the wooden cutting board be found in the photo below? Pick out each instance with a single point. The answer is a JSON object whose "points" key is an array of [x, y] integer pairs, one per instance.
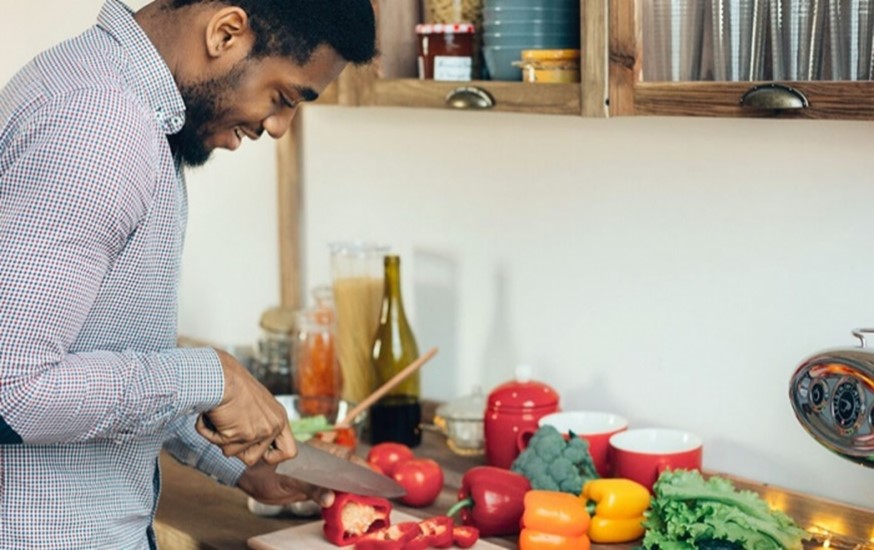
{"points": [[310, 537]]}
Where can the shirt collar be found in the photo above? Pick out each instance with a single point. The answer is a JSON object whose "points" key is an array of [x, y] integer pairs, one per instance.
{"points": [[147, 72]]}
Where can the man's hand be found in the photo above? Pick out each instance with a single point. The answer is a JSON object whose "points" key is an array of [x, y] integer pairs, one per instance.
{"points": [[249, 423], [262, 483]]}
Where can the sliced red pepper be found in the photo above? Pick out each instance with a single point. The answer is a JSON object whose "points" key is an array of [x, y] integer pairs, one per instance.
{"points": [[465, 536], [393, 537], [491, 499], [437, 531], [419, 542], [353, 516]]}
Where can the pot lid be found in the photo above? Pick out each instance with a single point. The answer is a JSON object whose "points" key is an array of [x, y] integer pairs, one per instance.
{"points": [[523, 393]]}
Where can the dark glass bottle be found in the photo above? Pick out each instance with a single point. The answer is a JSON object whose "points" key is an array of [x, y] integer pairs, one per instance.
{"points": [[395, 417]]}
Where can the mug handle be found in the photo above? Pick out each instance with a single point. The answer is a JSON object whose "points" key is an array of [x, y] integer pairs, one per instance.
{"points": [[523, 438]]}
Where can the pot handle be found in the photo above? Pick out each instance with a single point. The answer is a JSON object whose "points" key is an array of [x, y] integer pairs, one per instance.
{"points": [[523, 438], [860, 334]]}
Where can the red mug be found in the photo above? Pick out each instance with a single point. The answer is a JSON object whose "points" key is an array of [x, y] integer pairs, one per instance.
{"points": [[594, 427], [643, 454]]}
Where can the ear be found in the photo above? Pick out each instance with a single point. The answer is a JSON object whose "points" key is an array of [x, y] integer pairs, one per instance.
{"points": [[228, 29]]}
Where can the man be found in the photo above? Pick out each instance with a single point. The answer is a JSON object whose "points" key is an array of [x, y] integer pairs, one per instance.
{"points": [[94, 135]]}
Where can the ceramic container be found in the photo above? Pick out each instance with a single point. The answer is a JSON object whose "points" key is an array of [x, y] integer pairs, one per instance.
{"points": [[514, 408]]}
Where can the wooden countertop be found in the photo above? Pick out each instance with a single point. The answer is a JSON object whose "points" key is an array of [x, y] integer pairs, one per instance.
{"points": [[197, 513]]}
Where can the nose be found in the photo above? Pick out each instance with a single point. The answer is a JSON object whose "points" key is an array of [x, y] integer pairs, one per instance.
{"points": [[277, 124]]}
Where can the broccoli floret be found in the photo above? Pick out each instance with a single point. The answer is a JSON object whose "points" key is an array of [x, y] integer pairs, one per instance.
{"points": [[553, 464]]}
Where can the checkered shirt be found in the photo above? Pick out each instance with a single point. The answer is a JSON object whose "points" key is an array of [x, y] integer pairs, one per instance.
{"points": [[92, 216]]}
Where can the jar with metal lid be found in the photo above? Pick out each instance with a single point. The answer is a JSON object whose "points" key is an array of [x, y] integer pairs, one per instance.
{"points": [[513, 409], [553, 66], [446, 51], [274, 356]]}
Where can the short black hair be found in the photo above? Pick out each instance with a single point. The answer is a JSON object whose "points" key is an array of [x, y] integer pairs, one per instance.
{"points": [[295, 28]]}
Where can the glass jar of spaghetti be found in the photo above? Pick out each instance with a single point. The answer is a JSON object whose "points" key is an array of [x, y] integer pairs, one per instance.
{"points": [[446, 51]]}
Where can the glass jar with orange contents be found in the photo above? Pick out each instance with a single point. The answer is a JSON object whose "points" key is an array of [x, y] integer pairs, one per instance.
{"points": [[317, 377], [555, 66]]}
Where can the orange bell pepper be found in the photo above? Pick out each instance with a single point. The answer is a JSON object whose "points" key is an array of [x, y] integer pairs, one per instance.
{"points": [[555, 521]]}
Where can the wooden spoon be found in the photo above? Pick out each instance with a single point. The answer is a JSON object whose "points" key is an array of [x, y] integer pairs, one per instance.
{"points": [[385, 388]]}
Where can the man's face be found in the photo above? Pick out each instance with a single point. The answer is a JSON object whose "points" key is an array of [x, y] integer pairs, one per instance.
{"points": [[253, 97]]}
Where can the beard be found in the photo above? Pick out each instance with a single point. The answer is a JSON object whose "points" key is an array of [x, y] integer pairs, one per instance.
{"points": [[205, 103]]}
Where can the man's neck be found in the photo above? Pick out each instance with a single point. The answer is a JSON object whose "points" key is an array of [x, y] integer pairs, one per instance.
{"points": [[164, 27]]}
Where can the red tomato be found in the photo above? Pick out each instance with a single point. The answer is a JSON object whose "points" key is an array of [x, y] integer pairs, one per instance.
{"points": [[423, 480], [387, 456]]}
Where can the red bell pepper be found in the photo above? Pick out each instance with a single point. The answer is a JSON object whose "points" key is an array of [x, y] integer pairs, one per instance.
{"points": [[353, 516], [436, 532], [492, 500], [393, 537], [465, 536]]}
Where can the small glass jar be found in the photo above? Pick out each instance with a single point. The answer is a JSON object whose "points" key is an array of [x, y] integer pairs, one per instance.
{"points": [[317, 376], [552, 66], [453, 11], [446, 51], [462, 422], [274, 356]]}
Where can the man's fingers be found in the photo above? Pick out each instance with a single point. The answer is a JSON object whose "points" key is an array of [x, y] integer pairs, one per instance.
{"points": [[207, 430], [324, 497], [283, 448], [254, 453]]}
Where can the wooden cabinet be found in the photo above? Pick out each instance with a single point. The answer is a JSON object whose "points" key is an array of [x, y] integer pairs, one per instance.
{"points": [[612, 83], [366, 86], [629, 94]]}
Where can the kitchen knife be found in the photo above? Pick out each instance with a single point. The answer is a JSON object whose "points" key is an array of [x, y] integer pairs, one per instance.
{"points": [[323, 469]]}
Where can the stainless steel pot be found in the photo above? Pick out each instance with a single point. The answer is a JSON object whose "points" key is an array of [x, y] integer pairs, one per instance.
{"points": [[832, 394]]}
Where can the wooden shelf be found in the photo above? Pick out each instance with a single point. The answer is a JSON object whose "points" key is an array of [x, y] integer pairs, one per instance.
{"points": [[554, 99]]}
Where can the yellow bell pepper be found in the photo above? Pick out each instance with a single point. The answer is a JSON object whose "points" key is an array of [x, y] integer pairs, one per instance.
{"points": [[619, 505], [554, 521]]}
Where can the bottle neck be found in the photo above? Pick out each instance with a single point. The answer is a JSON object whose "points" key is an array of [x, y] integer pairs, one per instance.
{"points": [[392, 288]]}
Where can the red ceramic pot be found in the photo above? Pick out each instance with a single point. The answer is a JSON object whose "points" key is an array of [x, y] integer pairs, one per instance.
{"points": [[513, 409]]}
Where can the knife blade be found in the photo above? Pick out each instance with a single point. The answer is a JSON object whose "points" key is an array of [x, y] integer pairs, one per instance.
{"points": [[321, 468]]}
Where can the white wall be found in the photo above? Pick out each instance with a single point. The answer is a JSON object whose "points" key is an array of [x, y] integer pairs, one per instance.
{"points": [[674, 271]]}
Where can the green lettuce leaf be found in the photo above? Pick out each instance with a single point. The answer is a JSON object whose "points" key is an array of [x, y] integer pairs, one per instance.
{"points": [[688, 509]]}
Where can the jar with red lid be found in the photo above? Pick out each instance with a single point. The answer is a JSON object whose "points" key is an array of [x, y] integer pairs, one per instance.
{"points": [[514, 409], [446, 51]]}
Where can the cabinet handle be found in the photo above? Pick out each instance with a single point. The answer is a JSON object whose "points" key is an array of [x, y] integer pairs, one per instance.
{"points": [[774, 97], [469, 97]]}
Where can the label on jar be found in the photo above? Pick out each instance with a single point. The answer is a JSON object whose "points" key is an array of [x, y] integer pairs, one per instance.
{"points": [[452, 67]]}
